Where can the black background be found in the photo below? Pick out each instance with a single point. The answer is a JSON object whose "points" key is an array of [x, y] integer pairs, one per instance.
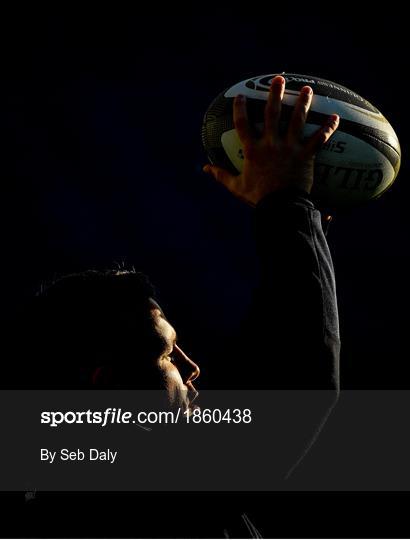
{"points": [[101, 165]]}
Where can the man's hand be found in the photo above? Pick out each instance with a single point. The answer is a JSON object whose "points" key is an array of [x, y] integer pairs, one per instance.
{"points": [[272, 162]]}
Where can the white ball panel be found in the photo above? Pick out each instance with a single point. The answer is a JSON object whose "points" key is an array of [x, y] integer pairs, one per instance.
{"points": [[345, 177]]}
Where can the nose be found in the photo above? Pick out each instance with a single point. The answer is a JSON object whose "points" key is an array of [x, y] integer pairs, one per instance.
{"points": [[188, 369]]}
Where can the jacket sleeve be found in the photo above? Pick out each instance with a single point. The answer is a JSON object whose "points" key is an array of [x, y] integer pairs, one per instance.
{"points": [[292, 328], [290, 342]]}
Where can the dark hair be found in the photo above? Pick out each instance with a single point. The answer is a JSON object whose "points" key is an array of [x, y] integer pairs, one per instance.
{"points": [[85, 320]]}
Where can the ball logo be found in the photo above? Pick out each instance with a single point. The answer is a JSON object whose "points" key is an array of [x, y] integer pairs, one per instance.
{"points": [[299, 79], [265, 82], [338, 147]]}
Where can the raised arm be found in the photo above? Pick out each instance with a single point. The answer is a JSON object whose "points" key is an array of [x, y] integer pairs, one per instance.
{"points": [[292, 330], [290, 340]]}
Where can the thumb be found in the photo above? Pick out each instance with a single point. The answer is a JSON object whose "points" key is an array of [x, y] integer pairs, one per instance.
{"points": [[221, 175]]}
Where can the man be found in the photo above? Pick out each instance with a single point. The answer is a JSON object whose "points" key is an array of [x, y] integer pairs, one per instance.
{"points": [[290, 339]]}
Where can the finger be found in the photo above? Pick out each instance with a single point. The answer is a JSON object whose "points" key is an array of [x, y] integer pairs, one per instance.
{"points": [[273, 108], [221, 175], [320, 137], [240, 119], [299, 115]]}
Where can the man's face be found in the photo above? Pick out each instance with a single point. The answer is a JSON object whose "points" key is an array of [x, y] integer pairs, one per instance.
{"points": [[178, 370]]}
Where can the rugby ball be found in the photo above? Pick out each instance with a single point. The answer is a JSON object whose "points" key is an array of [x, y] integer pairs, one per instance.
{"points": [[358, 163]]}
